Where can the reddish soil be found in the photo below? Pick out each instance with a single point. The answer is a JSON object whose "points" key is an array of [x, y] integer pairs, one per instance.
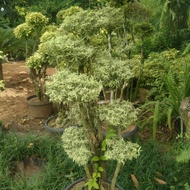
{"points": [[14, 112]]}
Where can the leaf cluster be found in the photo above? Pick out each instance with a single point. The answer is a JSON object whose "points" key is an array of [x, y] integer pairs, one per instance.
{"points": [[76, 145], [112, 72], [68, 86], [62, 14], [68, 50], [121, 151], [119, 115], [34, 22]]}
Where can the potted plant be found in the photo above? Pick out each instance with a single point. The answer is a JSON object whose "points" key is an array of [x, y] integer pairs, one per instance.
{"points": [[39, 103], [86, 145]]}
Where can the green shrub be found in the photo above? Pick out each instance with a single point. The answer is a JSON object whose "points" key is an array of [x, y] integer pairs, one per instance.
{"points": [[11, 46]]}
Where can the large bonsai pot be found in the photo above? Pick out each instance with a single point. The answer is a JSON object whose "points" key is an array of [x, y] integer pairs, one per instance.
{"points": [[70, 187], [39, 109]]}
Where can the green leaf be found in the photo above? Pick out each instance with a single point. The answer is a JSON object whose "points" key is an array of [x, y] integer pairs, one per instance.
{"points": [[104, 145], [110, 134], [169, 118], [101, 169], [94, 175], [96, 165], [95, 159], [98, 174], [92, 183], [103, 158], [95, 185], [89, 184]]}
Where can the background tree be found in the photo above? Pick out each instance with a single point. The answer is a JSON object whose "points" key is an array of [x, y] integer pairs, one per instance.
{"points": [[14, 11], [175, 20]]}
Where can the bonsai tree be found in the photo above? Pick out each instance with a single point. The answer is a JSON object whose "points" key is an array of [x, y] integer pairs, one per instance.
{"points": [[87, 145], [33, 27], [39, 65], [39, 62]]}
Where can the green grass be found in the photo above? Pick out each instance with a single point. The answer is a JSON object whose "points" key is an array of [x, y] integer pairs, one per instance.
{"points": [[156, 161], [59, 171]]}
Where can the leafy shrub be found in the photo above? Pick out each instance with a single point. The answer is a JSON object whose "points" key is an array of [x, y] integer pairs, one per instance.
{"points": [[10, 45]]}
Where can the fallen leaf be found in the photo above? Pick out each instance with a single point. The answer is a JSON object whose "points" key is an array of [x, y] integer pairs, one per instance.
{"points": [[160, 181], [158, 174], [135, 181], [22, 121], [30, 145]]}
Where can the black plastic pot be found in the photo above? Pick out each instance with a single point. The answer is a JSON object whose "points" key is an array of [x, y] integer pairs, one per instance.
{"points": [[82, 179], [129, 132], [53, 129]]}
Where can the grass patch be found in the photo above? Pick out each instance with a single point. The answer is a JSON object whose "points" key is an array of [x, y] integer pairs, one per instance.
{"points": [[156, 165], [58, 170], [155, 169]]}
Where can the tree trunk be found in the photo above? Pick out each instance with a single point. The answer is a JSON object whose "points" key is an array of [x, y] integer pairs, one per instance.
{"points": [[184, 111], [1, 71]]}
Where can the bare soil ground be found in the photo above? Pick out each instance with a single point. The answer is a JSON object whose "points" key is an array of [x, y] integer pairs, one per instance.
{"points": [[14, 112]]}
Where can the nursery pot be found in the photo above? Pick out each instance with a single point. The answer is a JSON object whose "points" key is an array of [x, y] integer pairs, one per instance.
{"points": [[129, 132], [39, 109], [51, 129], [72, 185]]}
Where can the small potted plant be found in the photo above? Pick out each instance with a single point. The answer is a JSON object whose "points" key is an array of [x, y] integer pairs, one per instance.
{"points": [[39, 103], [86, 144]]}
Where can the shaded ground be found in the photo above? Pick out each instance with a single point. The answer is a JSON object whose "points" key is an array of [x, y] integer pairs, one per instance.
{"points": [[14, 112]]}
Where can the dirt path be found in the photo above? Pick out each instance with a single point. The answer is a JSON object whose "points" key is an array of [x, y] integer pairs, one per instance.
{"points": [[14, 111]]}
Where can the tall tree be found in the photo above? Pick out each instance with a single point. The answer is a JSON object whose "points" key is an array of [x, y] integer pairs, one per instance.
{"points": [[175, 16], [14, 11]]}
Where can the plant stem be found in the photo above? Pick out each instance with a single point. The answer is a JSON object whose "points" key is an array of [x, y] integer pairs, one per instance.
{"points": [[109, 44], [118, 167], [89, 134], [88, 175]]}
